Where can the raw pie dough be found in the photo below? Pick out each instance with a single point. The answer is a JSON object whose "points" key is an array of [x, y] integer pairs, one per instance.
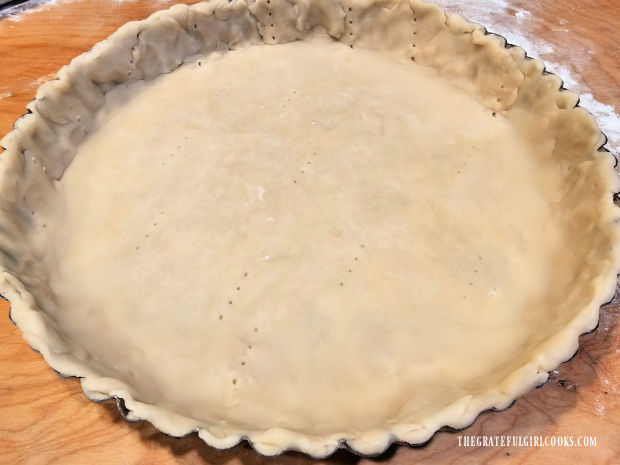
{"points": [[320, 241]]}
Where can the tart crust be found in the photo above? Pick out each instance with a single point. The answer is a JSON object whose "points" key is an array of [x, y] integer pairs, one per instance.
{"points": [[498, 87]]}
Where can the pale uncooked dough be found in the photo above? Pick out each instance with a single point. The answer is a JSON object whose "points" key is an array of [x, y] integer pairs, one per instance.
{"points": [[310, 242], [335, 240]]}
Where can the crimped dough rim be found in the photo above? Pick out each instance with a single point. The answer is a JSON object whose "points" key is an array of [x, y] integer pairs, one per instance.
{"points": [[44, 142]]}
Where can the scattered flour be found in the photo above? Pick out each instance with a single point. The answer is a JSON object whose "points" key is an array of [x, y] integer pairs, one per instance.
{"points": [[515, 24], [16, 12], [260, 193], [42, 80], [522, 14]]}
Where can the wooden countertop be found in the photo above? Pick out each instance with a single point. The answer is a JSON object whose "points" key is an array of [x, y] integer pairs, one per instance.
{"points": [[45, 420]]}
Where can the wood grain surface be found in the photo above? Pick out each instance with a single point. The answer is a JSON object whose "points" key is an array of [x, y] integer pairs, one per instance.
{"points": [[47, 420]]}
